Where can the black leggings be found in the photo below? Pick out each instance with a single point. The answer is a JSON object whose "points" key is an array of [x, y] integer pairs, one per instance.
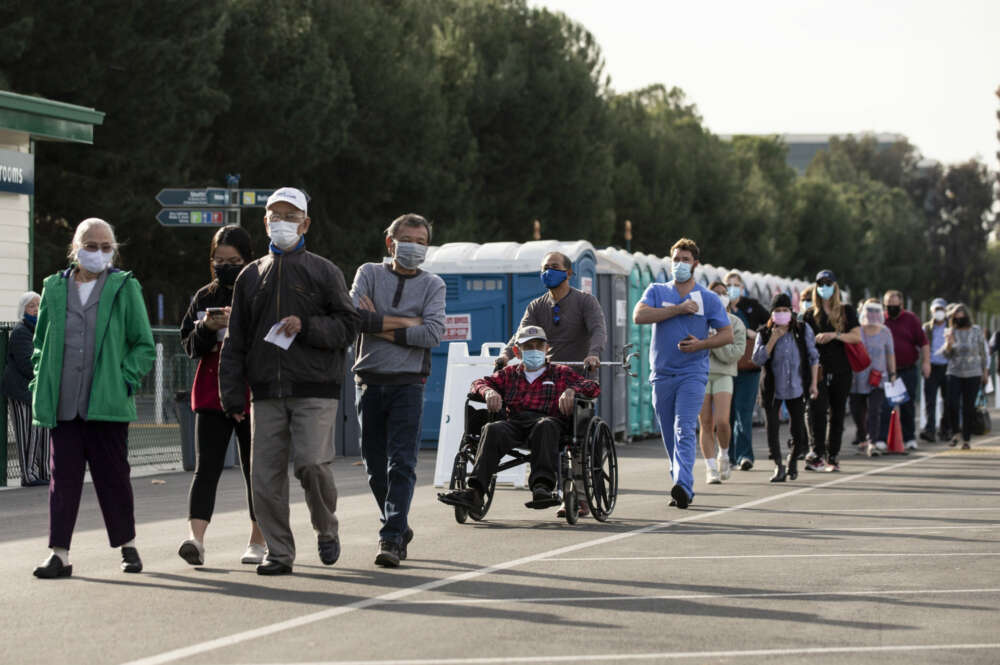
{"points": [[962, 393], [797, 424], [213, 430], [831, 403]]}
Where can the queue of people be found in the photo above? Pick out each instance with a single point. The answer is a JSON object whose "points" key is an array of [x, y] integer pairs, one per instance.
{"points": [[270, 336]]}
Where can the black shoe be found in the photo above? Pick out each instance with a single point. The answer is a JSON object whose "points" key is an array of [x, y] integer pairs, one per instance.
{"points": [[388, 554], [928, 436], [779, 474], [746, 464], [792, 464], [53, 568], [131, 563], [407, 537], [469, 498], [680, 497], [329, 551], [542, 497], [274, 568]]}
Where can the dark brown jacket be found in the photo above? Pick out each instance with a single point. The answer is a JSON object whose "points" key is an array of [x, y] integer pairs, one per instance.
{"points": [[282, 284]]}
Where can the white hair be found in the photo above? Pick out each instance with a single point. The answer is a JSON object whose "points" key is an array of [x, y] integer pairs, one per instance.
{"points": [[23, 301], [81, 230]]}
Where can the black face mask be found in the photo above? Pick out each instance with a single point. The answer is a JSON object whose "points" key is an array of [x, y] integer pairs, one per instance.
{"points": [[227, 274], [961, 321], [894, 310]]}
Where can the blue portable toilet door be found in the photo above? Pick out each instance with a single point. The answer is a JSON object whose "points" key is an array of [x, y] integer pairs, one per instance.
{"points": [[477, 311]]}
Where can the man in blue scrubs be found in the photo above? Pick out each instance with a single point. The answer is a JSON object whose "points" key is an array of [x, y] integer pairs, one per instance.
{"points": [[688, 320]]}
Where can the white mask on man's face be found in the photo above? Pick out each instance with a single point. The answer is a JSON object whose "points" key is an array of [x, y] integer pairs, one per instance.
{"points": [[939, 315], [284, 235]]}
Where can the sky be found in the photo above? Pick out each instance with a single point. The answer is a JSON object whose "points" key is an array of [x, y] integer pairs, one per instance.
{"points": [[927, 70]]}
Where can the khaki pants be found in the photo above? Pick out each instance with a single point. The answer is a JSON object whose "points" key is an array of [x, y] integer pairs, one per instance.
{"points": [[300, 427]]}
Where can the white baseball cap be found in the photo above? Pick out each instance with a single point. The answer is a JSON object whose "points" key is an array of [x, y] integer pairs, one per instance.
{"points": [[289, 195]]}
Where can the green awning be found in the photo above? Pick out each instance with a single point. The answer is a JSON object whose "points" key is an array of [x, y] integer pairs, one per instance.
{"points": [[47, 120]]}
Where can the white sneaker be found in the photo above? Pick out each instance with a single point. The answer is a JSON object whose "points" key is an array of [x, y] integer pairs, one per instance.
{"points": [[881, 446], [725, 471], [255, 554], [911, 444], [192, 551], [870, 450], [712, 476]]}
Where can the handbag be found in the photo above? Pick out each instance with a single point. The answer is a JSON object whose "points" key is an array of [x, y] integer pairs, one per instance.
{"points": [[857, 356], [875, 378], [982, 423]]}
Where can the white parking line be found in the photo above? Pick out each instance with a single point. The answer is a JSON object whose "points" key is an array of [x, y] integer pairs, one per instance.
{"points": [[863, 555], [915, 509], [878, 593], [399, 594], [669, 655], [792, 529]]}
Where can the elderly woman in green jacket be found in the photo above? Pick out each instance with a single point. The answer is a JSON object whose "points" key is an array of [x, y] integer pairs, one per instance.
{"points": [[714, 416], [93, 345]]}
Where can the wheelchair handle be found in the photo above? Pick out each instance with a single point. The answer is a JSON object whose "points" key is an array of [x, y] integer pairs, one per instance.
{"points": [[625, 363]]}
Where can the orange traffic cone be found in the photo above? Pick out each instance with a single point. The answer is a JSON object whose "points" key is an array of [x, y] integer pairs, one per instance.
{"points": [[895, 442]]}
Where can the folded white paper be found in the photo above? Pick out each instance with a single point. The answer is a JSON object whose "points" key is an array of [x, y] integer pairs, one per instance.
{"points": [[696, 298], [895, 392], [278, 339]]}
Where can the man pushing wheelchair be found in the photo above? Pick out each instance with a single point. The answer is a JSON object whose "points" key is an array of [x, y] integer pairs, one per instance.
{"points": [[536, 399]]}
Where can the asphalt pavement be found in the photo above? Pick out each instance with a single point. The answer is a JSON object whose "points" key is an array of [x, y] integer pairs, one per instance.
{"points": [[895, 559]]}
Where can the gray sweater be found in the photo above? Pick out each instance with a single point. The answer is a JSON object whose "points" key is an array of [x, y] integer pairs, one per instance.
{"points": [[407, 358], [967, 358]]}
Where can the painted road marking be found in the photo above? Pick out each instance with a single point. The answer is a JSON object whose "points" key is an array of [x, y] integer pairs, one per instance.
{"points": [[865, 555]]}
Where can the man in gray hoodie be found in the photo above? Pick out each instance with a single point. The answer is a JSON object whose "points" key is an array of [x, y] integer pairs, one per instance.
{"points": [[402, 319]]}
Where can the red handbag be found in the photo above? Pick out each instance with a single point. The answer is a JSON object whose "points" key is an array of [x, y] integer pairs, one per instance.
{"points": [[875, 378], [857, 356]]}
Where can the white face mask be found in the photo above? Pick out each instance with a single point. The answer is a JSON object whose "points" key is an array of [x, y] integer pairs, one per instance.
{"points": [[938, 315], [95, 261], [284, 235]]}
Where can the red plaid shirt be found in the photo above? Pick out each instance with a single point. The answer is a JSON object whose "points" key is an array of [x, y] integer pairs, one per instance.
{"points": [[542, 394]]}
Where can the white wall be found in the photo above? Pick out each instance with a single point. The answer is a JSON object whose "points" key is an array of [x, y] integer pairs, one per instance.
{"points": [[14, 221]]}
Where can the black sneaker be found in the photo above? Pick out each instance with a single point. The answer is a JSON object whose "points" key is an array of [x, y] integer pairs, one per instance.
{"points": [[680, 497], [388, 555], [131, 563], [746, 464], [329, 551], [407, 537], [928, 436]]}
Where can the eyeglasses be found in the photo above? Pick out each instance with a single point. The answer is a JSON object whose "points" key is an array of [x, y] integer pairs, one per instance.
{"points": [[296, 218], [95, 247], [555, 314]]}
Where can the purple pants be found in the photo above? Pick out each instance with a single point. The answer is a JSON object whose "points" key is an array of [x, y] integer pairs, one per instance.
{"points": [[104, 446]]}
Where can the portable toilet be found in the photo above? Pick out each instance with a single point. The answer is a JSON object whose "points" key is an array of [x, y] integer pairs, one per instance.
{"points": [[646, 423], [613, 272], [668, 268], [633, 384], [477, 310], [655, 264], [525, 268]]}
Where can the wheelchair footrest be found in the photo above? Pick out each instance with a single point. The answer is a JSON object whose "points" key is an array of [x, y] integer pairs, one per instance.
{"points": [[541, 504]]}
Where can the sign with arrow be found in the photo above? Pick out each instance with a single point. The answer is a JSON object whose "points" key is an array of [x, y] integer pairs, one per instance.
{"points": [[191, 217], [209, 196]]}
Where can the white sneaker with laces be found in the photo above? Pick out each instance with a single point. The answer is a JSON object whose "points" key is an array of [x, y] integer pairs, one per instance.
{"points": [[881, 446], [712, 476], [911, 444], [725, 471], [255, 554]]}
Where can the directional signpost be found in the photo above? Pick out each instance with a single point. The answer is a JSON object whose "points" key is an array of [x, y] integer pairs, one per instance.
{"points": [[210, 196], [188, 216], [207, 207]]}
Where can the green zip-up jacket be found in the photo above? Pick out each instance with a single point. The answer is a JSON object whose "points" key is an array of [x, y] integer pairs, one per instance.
{"points": [[123, 354]]}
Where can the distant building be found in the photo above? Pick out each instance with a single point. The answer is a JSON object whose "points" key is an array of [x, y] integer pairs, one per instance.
{"points": [[803, 147]]}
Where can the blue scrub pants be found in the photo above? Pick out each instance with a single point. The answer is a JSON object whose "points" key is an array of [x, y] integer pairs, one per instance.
{"points": [[677, 401], [745, 387]]}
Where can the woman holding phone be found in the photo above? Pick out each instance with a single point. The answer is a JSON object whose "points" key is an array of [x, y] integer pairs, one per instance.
{"points": [[202, 330]]}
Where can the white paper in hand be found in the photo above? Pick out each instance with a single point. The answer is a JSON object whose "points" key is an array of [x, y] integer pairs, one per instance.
{"points": [[696, 298], [895, 392], [278, 339]]}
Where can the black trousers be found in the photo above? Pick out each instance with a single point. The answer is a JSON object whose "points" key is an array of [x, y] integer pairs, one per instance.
{"points": [[212, 431], [541, 434], [962, 400], [797, 417], [935, 383], [867, 411], [829, 407]]}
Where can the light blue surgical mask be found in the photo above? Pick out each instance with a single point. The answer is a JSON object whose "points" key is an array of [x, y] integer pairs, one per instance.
{"points": [[735, 292], [533, 359], [825, 292], [681, 271], [552, 278]]}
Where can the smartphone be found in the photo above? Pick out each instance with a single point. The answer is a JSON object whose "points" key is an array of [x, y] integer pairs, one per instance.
{"points": [[215, 311]]}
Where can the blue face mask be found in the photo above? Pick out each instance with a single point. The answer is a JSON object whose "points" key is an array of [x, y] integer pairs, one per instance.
{"points": [[533, 359], [681, 270], [825, 292], [28, 318], [552, 278], [735, 292]]}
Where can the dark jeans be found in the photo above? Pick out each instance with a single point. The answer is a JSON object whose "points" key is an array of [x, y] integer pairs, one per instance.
{"points": [[830, 406], [390, 437], [538, 433], [907, 410], [212, 431], [858, 405], [104, 447], [745, 386], [935, 383], [797, 417], [870, 410], [962, 394]]}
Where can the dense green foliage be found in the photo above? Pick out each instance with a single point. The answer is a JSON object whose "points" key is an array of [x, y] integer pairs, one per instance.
{"points": [[483, 115]]}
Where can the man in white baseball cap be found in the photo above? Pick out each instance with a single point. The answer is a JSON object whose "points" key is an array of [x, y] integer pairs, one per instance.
{"points": [[287, 219]]}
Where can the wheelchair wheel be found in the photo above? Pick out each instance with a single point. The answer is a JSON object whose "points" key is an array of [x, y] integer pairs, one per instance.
{"points": [[571, 502], [487, 502], [458, 473], [600, 470]]}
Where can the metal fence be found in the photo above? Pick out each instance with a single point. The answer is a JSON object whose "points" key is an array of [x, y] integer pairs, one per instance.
{"points": [[155, 438]]}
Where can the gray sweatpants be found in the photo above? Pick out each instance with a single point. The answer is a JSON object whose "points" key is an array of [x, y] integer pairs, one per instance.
{"points": [[300, 427]]}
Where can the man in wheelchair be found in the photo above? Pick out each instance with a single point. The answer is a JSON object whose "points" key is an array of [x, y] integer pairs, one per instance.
{"points": [[536, 398]]}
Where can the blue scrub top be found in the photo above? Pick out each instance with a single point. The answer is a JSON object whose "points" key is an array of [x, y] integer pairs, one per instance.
{"points": [[665, 359]]}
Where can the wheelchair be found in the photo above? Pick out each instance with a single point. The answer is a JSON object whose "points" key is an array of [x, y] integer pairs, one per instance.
{"points": [[587, 455]]}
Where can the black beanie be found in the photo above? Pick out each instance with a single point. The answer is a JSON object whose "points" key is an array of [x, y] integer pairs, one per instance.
{"points": [[781, 300]]}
